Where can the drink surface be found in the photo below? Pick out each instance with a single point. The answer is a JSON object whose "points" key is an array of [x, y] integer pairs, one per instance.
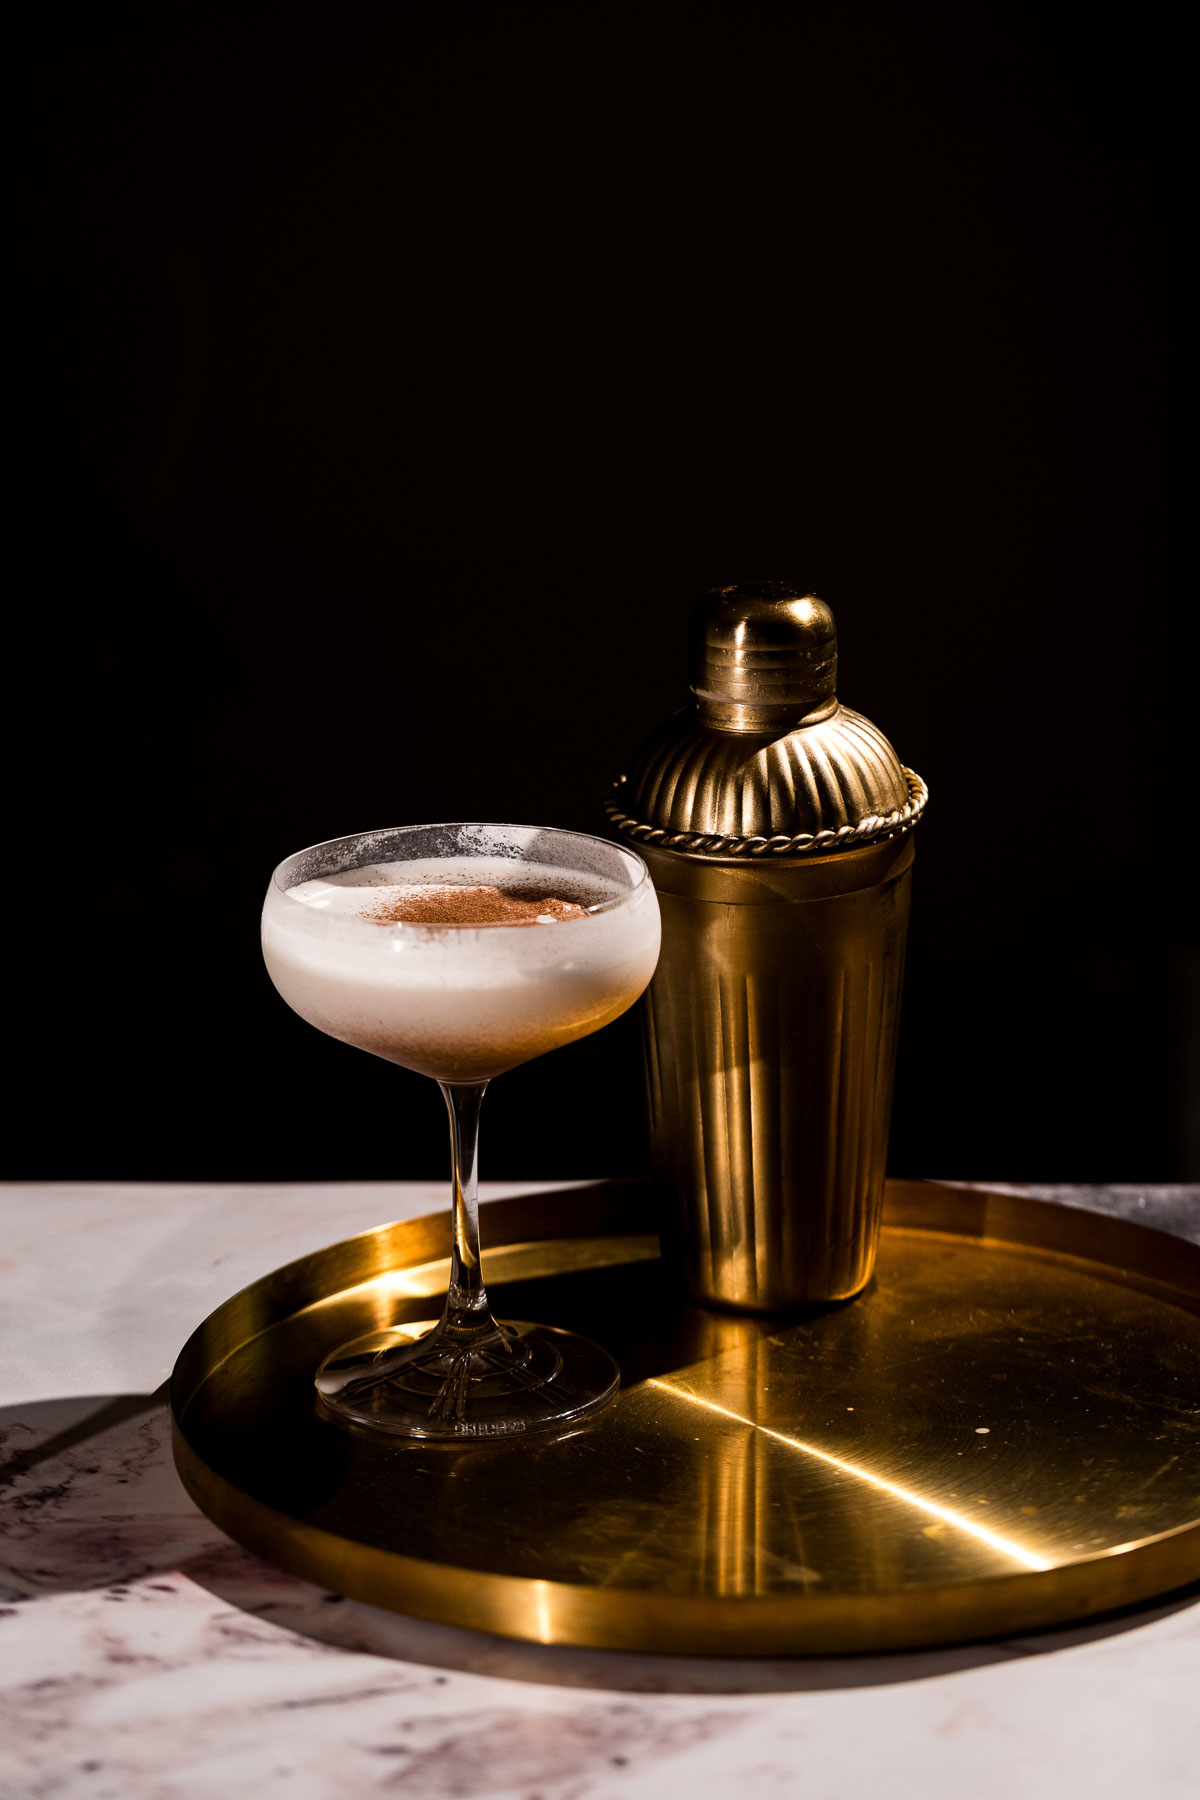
{"points": [[460, 968], [410, 903]]}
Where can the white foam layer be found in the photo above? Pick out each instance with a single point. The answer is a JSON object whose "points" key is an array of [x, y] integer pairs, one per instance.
{"points": [[361, 891], [461, 1003]]}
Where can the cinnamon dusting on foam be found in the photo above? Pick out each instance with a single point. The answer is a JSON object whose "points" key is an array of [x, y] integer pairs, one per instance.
{"points": [[435, 904]]}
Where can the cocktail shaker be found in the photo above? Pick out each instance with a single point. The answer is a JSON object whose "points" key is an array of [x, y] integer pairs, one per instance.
{"points": [[777, 826]]}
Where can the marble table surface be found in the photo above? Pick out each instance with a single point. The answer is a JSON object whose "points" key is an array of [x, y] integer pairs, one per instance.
{"points": [[143, 1656]]}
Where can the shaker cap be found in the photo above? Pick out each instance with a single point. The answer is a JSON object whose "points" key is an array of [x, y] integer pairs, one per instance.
{"points": [[762, 653], [766, 760]]}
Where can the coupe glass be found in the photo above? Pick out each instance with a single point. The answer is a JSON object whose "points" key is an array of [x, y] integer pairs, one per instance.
{"points": [[462, 1003]]}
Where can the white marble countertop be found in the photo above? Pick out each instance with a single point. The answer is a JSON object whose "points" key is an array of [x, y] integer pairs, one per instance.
{"points": [[143, 1656]]}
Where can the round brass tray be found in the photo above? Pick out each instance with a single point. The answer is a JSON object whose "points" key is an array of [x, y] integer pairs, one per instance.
{"points": [[1002, 1432]]}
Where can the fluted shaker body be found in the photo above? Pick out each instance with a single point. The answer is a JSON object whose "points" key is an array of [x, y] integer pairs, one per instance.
{"points": [[776, 824]]}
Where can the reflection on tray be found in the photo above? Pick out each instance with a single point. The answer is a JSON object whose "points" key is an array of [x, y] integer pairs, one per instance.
{"points": [[984, 1410]]}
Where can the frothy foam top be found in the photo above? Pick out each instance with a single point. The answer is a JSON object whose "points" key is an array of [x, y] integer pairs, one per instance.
{"points": [[371, 956], [484, 892], [442, 904]]}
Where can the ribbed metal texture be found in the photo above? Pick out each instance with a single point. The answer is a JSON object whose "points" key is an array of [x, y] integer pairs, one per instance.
{"points": [[776, 825], [819, 777], [770, 1046]]}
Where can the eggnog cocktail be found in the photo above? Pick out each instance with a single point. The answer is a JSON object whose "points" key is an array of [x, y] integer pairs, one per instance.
{"points": [[460, 967], [460, 951]]}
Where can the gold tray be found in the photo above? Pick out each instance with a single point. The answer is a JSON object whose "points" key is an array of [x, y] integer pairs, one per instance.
{"points": [[1002, 1432]]}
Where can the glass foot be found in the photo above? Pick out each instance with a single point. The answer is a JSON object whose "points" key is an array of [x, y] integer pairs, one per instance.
{"points": [[425, 1381]]}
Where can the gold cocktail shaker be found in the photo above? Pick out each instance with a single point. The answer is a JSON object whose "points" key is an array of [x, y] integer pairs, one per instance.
{"points": [[777, 826]]}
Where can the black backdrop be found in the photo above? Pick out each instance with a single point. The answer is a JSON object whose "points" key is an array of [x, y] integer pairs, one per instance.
{"points": [[389, 380]]}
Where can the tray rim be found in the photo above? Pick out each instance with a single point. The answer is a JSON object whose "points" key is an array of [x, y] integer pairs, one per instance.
{"points": [[1158, 1263]]}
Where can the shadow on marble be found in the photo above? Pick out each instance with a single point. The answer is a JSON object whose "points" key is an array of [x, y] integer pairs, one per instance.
{"points": [[243, 1581], [78, 1420], [89, 1499]]}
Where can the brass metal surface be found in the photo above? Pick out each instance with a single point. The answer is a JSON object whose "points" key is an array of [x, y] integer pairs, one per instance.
{"points": [[762, 655], [770, 1031], [688, 777], [765, 749], [776, 826], [1002, 1433], [718, 845]]}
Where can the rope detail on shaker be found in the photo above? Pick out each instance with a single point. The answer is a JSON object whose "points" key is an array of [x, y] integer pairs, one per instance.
{"points": [[873, 829]]}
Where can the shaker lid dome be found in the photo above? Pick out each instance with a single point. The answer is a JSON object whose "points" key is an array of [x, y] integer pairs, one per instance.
{"points": [[765, 646], [766, 760]]}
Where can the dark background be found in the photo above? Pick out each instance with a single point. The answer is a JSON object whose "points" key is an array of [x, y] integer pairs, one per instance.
{"points": [[390, 378]]}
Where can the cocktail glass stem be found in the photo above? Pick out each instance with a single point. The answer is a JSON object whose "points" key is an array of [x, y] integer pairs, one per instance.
{"points": [[467, 1317], [471, 1375]]}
